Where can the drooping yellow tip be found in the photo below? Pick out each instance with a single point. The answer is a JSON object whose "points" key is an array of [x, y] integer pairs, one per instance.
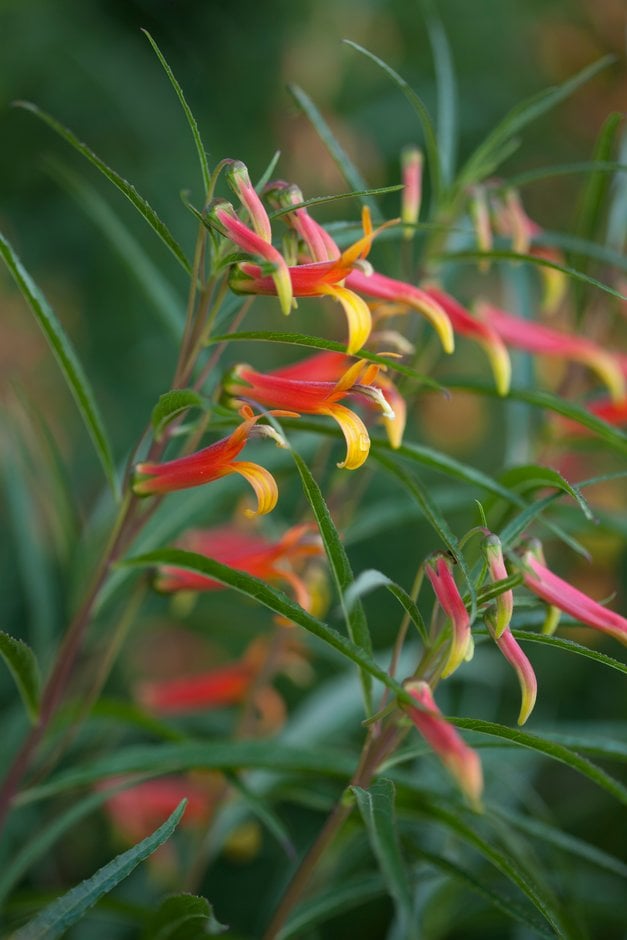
{"points": [[355, 434], [357, 314], [262, 482], [500, 362]]}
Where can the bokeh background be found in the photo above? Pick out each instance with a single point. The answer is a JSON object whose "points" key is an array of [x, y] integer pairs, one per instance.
{"points": [[90, 66]]}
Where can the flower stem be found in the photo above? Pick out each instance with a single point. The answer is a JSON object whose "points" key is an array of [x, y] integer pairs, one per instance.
{"points": [[375, 750]]}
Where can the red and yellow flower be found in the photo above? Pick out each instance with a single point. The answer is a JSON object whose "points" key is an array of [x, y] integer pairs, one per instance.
{"points": [[548, 341], [245, 551], [459, 759], [213, 462], [552, 589], [316, 396], [439, 572]]}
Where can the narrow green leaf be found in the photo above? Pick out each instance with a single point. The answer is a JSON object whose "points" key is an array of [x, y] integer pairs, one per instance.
{"points": [[433, 515], [23, 520], [533, 887], [501, 902], [143, 207], [269, 170], [55, 919], [552, 749], [23, 666], [152, 760], [594, 196], [370, 580], [321, 200], [49, 834], [376, 806], [585, 247], [545, 400], [561, 643], [522, 114], [164, 301], [543, 832], [337, 900], [191, 120], [266, 815], [316, 342], [170, 405], [66, 357], [502, 254], [533, 476], [563, 169], [343, 162], [339, 564], [431, 144], [183, 917], [446, 90], [274, 600]]}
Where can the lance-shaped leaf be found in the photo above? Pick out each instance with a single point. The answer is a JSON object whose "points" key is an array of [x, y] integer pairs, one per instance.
{"points": [[183, 917], [55, 919], [24, 668], [340, 567], [143, 207], [66, 357], [171, 405], [376, 806]]}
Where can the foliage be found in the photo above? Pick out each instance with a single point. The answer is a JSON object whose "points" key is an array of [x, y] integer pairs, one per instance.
{"points": [[242, 681]]}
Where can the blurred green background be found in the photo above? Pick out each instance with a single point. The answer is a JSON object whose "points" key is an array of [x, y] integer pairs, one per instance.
{"points": [[89, 65]]}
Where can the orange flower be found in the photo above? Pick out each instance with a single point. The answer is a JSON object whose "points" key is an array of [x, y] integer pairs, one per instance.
{"points": [[269, 561], [214, 462], [313, 396]]}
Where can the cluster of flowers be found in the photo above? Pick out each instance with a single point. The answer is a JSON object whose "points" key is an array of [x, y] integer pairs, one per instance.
{"points": [[312, 265]]}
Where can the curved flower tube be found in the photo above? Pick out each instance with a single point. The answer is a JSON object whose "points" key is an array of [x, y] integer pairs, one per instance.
{"points": [[548, 341], [438, 571], [559, 593], [245, 551], [317, 397], [214, 462], [514, 655], [321, 248], [463, 322], [460, 760], [330, 366], [318, 279]]}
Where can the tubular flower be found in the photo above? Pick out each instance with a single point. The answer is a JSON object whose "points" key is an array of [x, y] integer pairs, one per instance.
{"points": [[439, 573], [269, 561], [317, 397], [493, 554], [321, 248], [537, 338], [320, 278], [523, 668], [217, 688], [331, 366], [238, 179], [483, 333], [559, 593], [214, 462], [223, 216], [411, 165], [399, 292], [460, 760]]}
